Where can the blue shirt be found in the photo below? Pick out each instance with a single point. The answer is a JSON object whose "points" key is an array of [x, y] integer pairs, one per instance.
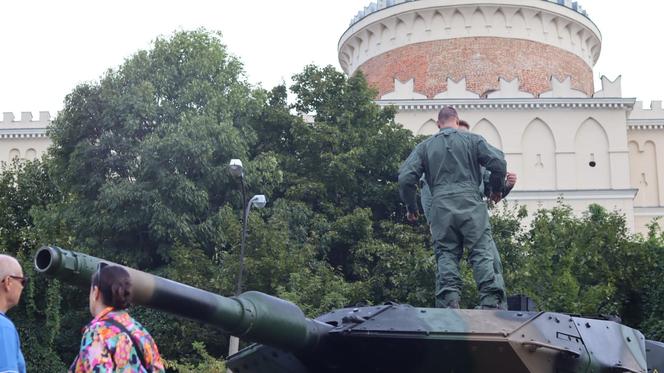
{"points": [[11, 357]]}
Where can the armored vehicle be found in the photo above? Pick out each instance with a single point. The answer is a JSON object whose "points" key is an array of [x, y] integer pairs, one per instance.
{"points": [[389, 338]]}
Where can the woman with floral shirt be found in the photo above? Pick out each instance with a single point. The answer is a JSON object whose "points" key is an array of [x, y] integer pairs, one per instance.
{"points": [[113, 341]]}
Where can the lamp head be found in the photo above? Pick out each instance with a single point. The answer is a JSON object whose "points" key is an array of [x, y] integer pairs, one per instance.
{"points": [[235, 167], [258, 201]]}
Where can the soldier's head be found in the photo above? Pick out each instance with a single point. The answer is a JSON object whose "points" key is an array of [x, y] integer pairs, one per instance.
{"points": [[448, 118], [12, 282], [464, 126]]}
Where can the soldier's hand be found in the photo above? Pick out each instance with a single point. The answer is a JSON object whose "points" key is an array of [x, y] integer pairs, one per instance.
{"points": [[496, 197], [511, 180], [412, 217]]}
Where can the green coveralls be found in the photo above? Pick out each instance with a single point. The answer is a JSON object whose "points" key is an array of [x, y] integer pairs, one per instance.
{"points": [[451, 161], [425, 196]]}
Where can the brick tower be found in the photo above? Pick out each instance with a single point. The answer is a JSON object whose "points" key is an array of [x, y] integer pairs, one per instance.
{"points": [[431, 43]]}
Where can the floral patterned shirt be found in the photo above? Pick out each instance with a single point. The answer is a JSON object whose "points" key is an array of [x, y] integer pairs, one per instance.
{"points": [[105, 348]]}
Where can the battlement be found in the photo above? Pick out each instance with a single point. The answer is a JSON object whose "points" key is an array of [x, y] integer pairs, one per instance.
{"points": [[26, 120], [655, 112], [382, 4]]}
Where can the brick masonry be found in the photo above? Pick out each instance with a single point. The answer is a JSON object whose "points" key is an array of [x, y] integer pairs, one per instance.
{"points": [[482, 61]]}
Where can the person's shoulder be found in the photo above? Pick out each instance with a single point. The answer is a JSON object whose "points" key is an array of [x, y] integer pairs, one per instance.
{"points": [[472, 136], [6, 322], [424, 143], [103, 327], [8, 332], [132, 325], [429, 139]]}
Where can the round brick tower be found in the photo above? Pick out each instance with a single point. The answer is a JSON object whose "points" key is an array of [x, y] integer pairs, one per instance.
{"points": [[434, 45]]}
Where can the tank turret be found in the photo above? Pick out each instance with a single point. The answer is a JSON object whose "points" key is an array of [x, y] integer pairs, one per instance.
{"points": [[387, 338]]}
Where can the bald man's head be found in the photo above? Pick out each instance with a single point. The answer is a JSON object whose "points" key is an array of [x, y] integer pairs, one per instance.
{"points": [[9, 266], [12, 282]]}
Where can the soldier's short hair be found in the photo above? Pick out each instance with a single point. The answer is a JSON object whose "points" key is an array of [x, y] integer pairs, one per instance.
{"points": [[463, 123], [446, 113]]}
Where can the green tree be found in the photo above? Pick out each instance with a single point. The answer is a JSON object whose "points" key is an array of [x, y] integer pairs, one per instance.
{"points": [[141, 159], [653, 305], [25, 187], [143, 152]]}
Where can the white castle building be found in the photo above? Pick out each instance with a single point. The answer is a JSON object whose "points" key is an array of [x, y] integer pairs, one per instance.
{"points": [[520, 72], [25, 138]]}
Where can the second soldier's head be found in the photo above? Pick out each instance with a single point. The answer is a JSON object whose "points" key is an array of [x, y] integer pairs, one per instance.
{"points": [[448, 118]]}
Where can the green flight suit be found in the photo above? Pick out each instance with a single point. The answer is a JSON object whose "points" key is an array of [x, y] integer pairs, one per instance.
{"points": [[425, 192], [425, 197], [451, 161]]}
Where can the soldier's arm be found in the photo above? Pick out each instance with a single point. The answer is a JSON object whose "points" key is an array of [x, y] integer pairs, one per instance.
{"points": [[409, 175], [486, 175], [494, 161]]}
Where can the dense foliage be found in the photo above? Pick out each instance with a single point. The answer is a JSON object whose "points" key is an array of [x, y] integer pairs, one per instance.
{"points": [[138, 174]]}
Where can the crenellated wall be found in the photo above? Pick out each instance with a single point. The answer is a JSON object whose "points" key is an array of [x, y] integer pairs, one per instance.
{"points": [[24, 138]]}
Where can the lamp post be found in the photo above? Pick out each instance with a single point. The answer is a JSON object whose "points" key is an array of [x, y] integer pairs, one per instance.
{"points": [[259, 201]]}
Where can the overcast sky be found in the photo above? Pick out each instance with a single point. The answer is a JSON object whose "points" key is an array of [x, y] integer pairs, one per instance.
{"points": [[48, 47]]}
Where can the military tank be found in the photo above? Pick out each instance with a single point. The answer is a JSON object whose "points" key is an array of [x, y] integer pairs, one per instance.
{"points": [[386, 338]]}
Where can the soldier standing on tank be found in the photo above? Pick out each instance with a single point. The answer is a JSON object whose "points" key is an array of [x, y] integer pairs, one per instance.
{"points": [[451, 161], [510, 182]]}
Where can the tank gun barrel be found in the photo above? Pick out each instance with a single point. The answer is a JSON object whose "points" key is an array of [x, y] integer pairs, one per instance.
{"points": [[253, 316]]}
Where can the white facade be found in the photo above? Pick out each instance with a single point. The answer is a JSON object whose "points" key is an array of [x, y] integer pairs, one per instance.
{"points": [[604, 149], [562, 142], [23, 139], [645, 137]]}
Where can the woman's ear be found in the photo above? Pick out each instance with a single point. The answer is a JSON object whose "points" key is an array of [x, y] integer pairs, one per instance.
{"points": [[95, 293]]}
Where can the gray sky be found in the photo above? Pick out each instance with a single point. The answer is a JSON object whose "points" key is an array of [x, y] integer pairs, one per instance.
{"points": [[48, 47]]}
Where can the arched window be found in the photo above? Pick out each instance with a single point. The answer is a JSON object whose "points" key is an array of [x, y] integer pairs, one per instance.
{"points": [[643, 173], [31, 154], [14, 154], [487, 130], [593, 167], [428, 128], [539, 158]]}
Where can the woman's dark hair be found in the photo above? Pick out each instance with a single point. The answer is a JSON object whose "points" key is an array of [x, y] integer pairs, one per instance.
{"points": [[114, 285]]}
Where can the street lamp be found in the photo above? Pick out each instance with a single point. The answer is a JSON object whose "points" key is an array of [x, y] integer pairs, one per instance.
{"points": [[258, 201], [236, 169]]}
